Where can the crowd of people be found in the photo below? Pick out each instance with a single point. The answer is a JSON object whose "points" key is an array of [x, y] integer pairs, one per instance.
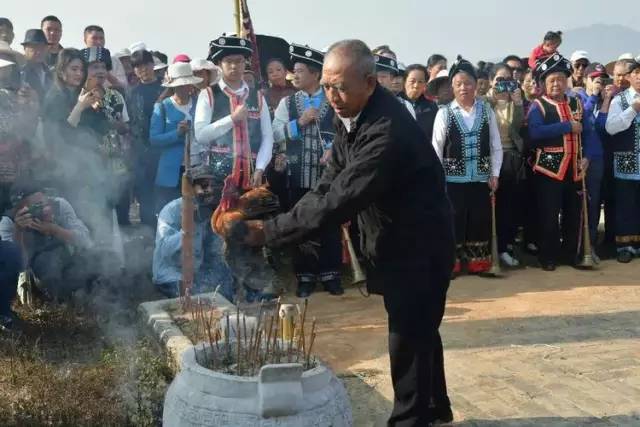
{"points": [[91, 140]]}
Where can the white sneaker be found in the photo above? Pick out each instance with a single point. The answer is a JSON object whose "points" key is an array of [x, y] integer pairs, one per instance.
{"points": [[510, 261]]}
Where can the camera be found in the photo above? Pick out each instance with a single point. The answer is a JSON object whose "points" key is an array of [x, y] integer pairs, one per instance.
{"points": [[36, 211], [505, 86]]}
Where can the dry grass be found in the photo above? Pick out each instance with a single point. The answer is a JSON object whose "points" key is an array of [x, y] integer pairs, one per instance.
{"points": [[60, 371]]}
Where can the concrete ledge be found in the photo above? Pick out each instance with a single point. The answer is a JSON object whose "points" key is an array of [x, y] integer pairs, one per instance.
{"points": [[159, 323]]}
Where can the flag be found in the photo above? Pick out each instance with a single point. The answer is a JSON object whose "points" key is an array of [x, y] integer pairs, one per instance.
{"points": [[249, 33]]}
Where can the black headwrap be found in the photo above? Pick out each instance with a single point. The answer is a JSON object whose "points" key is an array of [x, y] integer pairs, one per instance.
{"points": [[462, 65]]}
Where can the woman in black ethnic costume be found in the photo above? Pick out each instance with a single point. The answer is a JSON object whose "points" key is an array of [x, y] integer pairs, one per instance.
{"points": [[467, 140]]}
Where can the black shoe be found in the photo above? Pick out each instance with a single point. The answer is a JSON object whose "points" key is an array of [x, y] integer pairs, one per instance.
{"points": [[625, 257], [549, 266], [444, 416], [305, 290], [334, 287]]}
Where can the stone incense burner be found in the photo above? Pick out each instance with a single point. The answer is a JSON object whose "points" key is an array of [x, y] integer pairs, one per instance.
{"points": [[280, 395]]}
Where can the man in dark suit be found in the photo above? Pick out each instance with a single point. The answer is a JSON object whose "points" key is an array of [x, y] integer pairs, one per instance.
{"points": [[382, 171], [35, 71]]}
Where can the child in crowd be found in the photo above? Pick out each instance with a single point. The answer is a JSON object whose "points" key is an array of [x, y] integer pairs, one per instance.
{"points": [[550, 44]]}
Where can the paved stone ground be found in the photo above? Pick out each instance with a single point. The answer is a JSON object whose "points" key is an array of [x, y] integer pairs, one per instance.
{"points": [[532, 349]]}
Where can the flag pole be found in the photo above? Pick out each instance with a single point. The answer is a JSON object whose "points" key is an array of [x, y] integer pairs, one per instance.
{"points": [[238, 18]]}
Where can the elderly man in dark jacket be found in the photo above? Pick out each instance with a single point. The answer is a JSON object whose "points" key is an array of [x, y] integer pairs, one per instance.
{"points": [[382, 171]]}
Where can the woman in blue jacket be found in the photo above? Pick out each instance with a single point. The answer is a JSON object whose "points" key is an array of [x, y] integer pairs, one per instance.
{"points": [[170, 122]]}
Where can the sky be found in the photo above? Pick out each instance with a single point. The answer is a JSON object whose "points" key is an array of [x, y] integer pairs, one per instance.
{"points": [[415, 29]]}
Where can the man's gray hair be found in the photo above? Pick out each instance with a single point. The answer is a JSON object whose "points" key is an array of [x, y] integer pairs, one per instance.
{"points": [[628, 64], [359, 52]]}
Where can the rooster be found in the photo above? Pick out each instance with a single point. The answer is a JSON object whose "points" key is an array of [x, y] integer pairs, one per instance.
{"points": [[248, 265]]}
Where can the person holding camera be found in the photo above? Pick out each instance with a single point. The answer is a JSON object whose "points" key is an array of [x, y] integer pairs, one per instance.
{"points": [[598, 93], [505, 98], [54, 241], [170, 122], [113, 145]]}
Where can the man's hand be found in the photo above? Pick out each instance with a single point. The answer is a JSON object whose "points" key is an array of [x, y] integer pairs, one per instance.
{"points": [[597, 86], [257, 178], [113, 80], [325, 157], [45, 227], [636, 105], [516, 96], [240, 114], [23, 218], [88, 98], [308, 116], [609, 93], [576, 127], [493, 184], [183, 127]]}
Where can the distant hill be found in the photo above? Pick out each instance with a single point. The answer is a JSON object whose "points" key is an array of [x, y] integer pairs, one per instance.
{"points": [[603, 42]]}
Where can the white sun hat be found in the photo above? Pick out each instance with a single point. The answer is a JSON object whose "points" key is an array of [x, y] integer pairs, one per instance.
{"points": [[180, 74], [199, 64], [158, 64], [578, 55], [137, 46], [122, 53]]}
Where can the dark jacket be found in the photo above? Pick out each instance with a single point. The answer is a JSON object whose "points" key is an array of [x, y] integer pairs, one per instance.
{"points": [[38, 76], [385, 173], [426, 111], [73, 151]]}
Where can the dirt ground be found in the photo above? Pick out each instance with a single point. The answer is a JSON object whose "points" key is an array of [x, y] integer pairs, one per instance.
{"points": [[532, 348]]}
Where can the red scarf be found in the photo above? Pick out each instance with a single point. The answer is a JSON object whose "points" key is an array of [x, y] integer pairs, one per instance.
{"points": [[241, 173]]}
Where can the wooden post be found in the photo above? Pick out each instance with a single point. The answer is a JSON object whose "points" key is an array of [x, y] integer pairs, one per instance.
{"points": [[188, 225]]}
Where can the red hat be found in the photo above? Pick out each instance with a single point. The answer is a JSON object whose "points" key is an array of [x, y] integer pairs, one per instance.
{"points": [[181, 58], [596, 69]]}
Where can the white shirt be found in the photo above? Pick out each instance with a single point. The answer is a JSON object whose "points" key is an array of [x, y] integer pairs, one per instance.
{"points": [[407, 104], [207, 132], [347, 122], [440, 132], [184, 109], [619, 120]]}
